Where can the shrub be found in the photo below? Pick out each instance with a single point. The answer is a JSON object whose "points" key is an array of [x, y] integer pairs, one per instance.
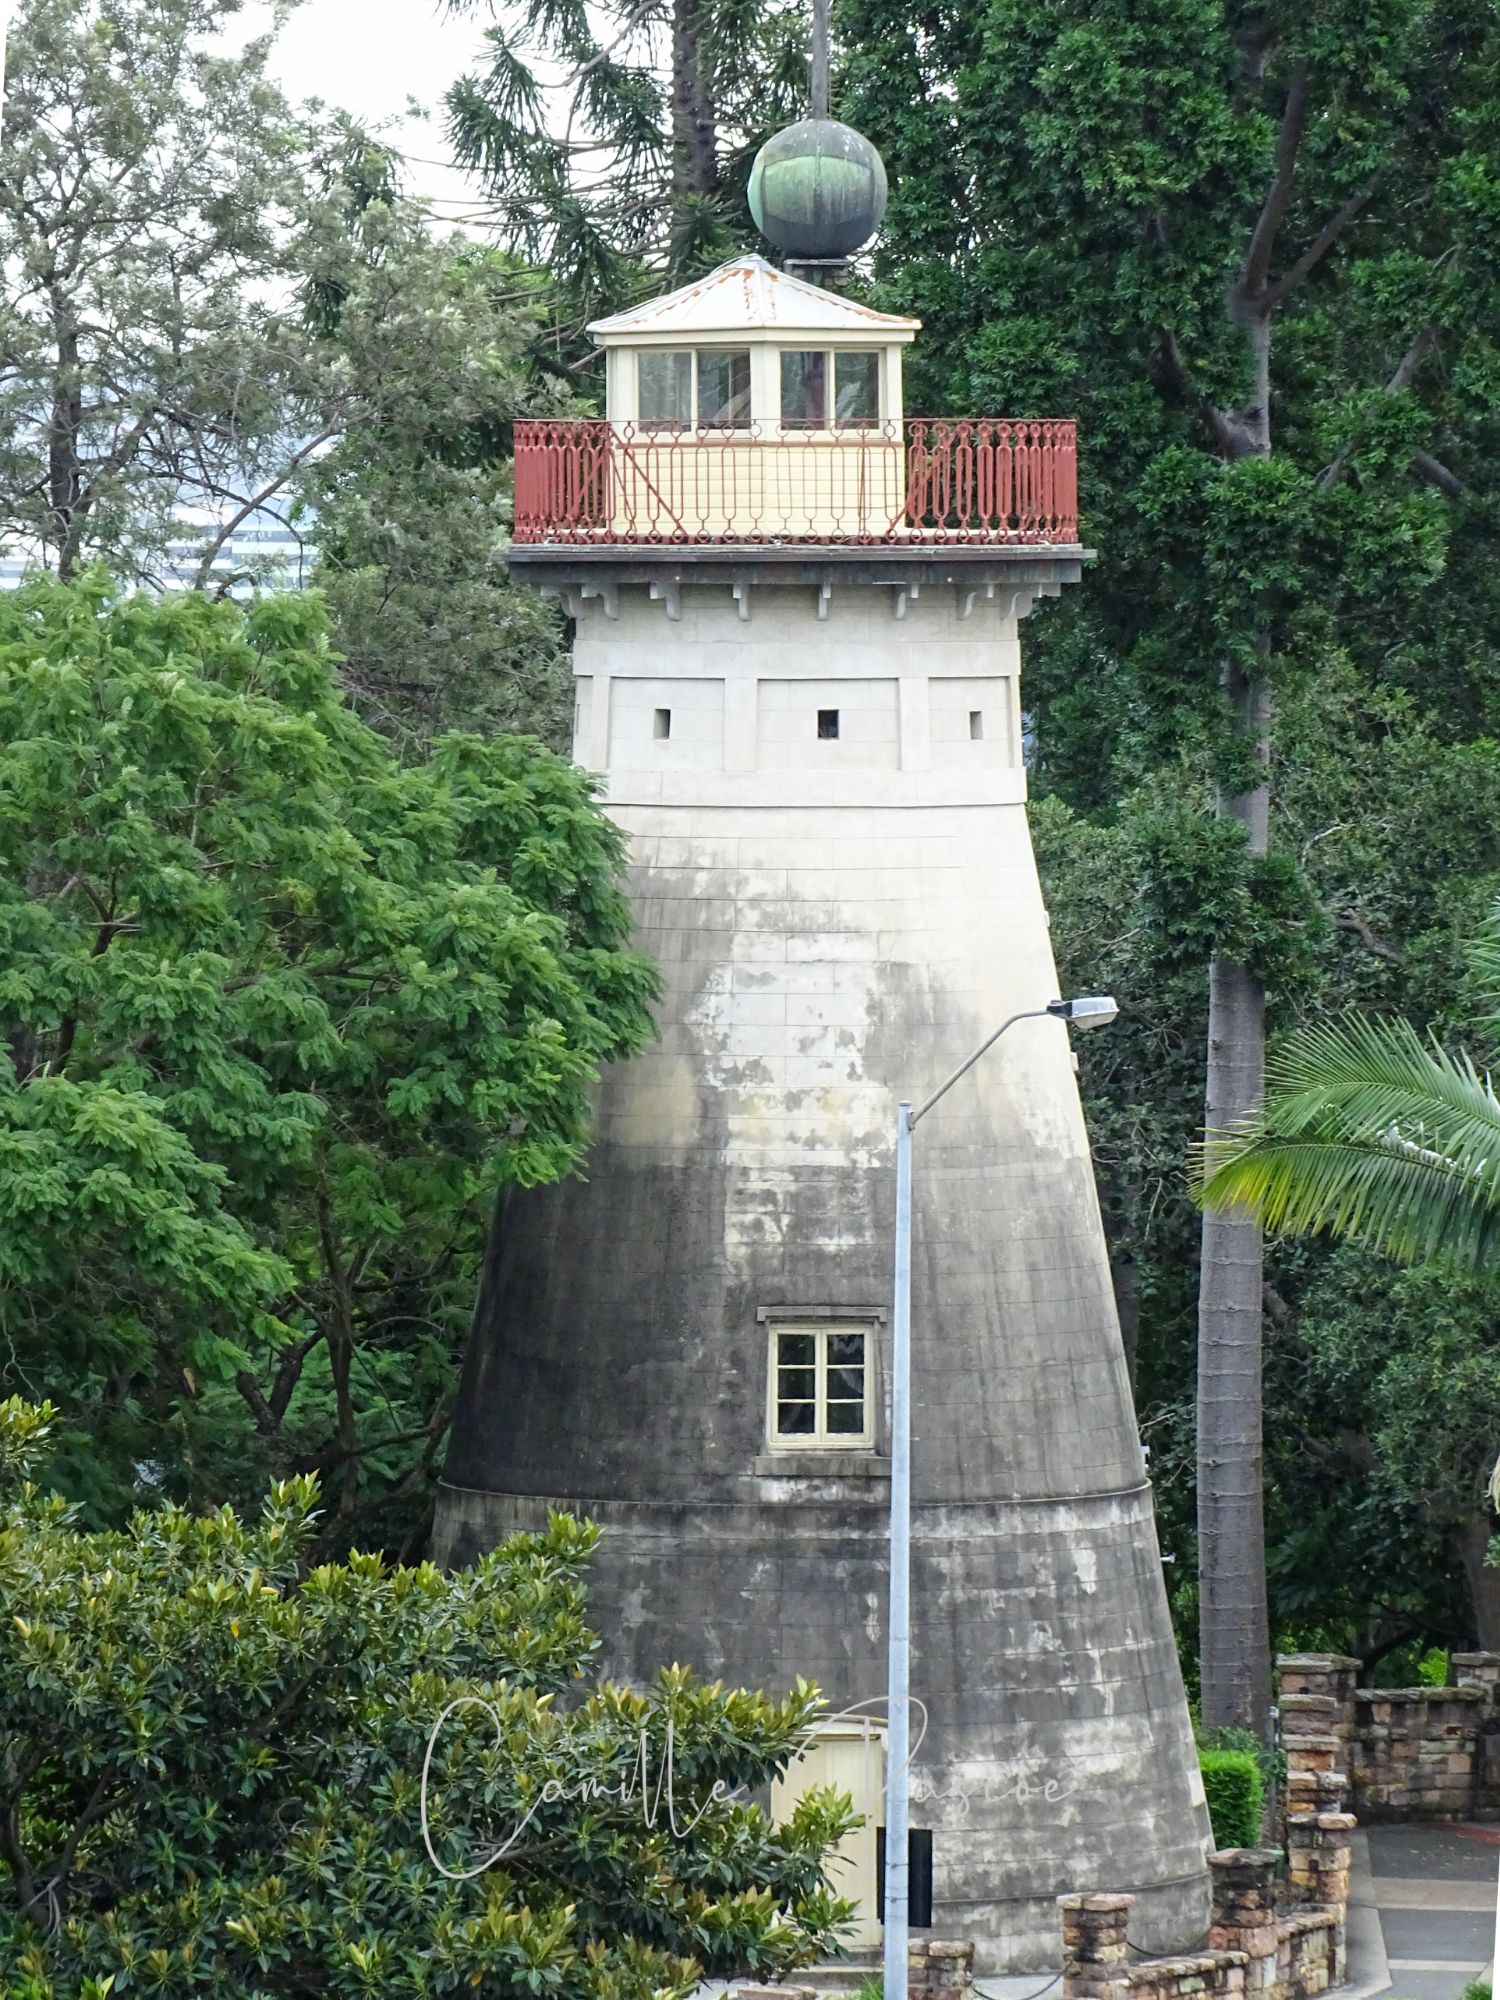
{"points": [[212, 1775], [1236, 1795]]}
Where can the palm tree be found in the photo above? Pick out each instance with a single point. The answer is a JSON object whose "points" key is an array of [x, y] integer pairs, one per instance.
{"points": [[1375, 1132]]}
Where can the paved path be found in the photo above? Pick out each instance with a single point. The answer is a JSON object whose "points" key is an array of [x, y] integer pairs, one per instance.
{"points": [[1425, 1905]]}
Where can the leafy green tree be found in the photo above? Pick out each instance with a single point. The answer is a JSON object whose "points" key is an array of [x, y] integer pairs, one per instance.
{"points": [[151, 196], [280, 1017], [1406, 1365], [1252, 250], [212, 1777], [427, 351], [216, 311], [1396, 824]]}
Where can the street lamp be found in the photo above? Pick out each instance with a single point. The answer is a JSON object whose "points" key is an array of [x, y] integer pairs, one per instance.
{"points": [[1089, 1011]]}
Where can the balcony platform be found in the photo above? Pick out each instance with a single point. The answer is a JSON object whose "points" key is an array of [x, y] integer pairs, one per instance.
{"points": [[977, 572], [795, 562]]}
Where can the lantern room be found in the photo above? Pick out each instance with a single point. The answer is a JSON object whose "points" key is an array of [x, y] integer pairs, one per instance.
{"points": [[751, 349]]}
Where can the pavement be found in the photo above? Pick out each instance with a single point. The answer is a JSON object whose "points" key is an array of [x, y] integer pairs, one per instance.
{"points": [[1421, 1910]]}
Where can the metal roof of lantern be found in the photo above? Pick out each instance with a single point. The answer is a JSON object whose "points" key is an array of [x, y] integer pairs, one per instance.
{"points": [[748, 293]]}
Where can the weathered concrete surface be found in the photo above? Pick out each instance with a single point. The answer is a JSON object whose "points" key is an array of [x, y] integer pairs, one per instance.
{"points": [[840, 922]]}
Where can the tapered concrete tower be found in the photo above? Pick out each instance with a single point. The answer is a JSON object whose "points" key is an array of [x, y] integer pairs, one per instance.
{"points": [[798, 662]]}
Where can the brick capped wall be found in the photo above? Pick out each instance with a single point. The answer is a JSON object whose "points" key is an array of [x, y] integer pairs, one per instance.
{"points": [[1409, 1753], [1254, 1948]]}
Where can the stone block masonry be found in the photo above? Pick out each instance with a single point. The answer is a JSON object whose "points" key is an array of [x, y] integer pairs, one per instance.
{"points": [[938, 1970], [1410, 1753], [1253, 1947], [817, 763]]}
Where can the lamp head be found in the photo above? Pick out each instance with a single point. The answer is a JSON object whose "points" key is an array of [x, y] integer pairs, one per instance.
{"points": [[1089, 1010]]}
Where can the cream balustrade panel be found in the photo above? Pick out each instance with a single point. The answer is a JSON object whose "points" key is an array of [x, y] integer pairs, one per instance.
{"points": [[671, 486]]}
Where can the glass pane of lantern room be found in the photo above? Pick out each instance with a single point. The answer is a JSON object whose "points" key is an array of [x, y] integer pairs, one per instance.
{"points": [[724, 387], [804, 389], [856, 382], [665, 384]]}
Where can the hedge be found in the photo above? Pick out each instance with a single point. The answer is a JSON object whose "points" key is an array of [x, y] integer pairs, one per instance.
{"points": [[1236, 1794]]}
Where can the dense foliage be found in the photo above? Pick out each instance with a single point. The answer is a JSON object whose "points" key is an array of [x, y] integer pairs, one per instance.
{"points": [[1253, 251], [280, 1017], [1369, 1546], [1374, 1134], [421, 355], [219, 314], [212, 1774], [1235, 1790]]}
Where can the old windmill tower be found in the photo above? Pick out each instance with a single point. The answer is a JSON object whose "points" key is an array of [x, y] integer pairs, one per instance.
{"points": [[797, 652]]}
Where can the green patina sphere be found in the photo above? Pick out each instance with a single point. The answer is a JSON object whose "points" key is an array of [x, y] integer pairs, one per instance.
{"points": [[817, 190]]}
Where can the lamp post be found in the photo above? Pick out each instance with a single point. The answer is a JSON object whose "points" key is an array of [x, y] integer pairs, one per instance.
{"points": [[1089, 1011]]}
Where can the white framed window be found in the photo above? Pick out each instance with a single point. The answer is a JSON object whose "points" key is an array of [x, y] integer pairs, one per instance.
{"points": [[680, 387], [823, 388], [820, 1380]]}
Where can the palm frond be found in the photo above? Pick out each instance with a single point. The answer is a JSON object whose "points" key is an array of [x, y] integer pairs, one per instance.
{"points": [[1372, 1133], [1484, 963]]}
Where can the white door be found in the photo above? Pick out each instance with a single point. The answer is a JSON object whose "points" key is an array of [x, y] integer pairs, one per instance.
{"points": [[850, 1756]]}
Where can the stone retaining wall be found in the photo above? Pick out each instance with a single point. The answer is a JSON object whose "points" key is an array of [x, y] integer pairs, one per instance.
{"points": [[1253, 1948], [1276, 1933], [936, 1970], [1409, 1753]]}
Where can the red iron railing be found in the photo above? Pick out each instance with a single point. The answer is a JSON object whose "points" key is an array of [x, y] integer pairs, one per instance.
{"points": [[972, 480]]}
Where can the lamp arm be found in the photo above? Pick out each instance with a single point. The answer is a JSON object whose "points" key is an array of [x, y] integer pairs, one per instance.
{"points": [[1031, 1014]]}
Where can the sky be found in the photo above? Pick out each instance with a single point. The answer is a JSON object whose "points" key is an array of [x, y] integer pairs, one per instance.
{"points": [[371, 56]]}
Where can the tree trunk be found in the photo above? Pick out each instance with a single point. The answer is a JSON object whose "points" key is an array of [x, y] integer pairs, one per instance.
{"points": [[1483, 1581], [1233, 1626], [65, 484], [1125, 1278], [695, 138]]}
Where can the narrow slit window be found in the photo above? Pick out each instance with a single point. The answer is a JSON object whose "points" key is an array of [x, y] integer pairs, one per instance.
{"points": [[828, 725], [976, 725], [821, 1391], [661, 725]]}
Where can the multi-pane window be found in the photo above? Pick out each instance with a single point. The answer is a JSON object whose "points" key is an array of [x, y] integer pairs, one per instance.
{"points": [[678, 387], [822, 1387], [856, 388], [724, 387], [804, 389], [666, 388], [806, 377]]}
